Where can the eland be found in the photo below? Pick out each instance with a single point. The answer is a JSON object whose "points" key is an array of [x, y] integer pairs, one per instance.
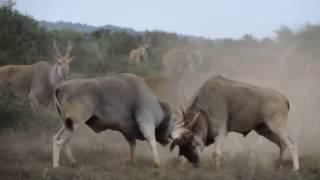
{"points": [[140, 54], [37, 81], [180, 62], [120, 102], [222, 105]]}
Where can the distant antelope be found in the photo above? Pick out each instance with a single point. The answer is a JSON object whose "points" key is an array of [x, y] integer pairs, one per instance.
{"points": [[140, 54], [38, 80], [180, 61]]}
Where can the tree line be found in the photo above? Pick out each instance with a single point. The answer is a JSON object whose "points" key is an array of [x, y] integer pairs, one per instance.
{"points": [[290, 51]]}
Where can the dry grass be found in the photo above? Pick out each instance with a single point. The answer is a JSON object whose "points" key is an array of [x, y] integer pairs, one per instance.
{"points": [[27, 155]]}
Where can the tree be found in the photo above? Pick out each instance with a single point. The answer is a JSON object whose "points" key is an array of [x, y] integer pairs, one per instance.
{"points": [[284, 34], [7, 4], [22, 40]]}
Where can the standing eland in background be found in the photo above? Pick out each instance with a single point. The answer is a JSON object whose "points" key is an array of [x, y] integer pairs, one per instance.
{"points": [[140, 54], [37, 81], [180, 61], [222, 105], [120, 102]]}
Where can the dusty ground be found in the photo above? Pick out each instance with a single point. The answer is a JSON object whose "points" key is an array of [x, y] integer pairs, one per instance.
{"points": [[27, 155]]}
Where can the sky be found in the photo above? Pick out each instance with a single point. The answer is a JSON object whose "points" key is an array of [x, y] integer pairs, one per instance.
{"points": [[206, 18]]}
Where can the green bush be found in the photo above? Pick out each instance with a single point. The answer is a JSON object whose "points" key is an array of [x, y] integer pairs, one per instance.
{"points": [[22, 41], [16, 112]]}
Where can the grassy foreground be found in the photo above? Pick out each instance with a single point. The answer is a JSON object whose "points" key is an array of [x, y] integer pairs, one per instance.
{"points": [[27, 155]]}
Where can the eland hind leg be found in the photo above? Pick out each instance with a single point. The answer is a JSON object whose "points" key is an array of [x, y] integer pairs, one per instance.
{"points": [[278, 127], [264, 131], [61, 140]]}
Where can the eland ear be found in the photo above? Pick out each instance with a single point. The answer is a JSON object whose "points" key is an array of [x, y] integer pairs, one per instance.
{"points": [[172, 146], [182, 113], [174, 143]]}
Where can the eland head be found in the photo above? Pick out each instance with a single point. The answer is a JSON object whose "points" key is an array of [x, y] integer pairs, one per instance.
{"points": [[189, 145], [63, 61]]}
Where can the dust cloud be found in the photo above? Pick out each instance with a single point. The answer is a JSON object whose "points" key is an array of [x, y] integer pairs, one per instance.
{"points": [[288, 70]]}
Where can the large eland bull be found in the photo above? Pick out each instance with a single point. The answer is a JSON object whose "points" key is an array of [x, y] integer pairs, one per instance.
{"points": [[173, 90], [38, 80], [120, 102], [221, 106]]}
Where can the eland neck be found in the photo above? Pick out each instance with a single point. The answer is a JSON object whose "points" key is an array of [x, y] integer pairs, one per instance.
{"points": [[55, 77], [201, 129]]}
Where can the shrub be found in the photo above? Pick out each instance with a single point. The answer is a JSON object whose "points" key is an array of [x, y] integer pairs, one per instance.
{"points": [[16, 112]]}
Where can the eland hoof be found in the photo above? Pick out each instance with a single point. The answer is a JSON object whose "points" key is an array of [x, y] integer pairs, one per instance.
{"points": [[157, 165], [73, 165], [296, 169]]}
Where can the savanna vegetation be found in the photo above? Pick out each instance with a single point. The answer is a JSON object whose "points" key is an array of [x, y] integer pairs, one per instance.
{"points": [[289, 62]]}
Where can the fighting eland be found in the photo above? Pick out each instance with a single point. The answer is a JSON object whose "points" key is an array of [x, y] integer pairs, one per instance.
{"points": [[222, 105], [120, 102]]}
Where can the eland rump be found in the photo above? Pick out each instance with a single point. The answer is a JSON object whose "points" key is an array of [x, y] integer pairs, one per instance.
{"points": [[222, 105], [37, 81], [120, 102]]}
